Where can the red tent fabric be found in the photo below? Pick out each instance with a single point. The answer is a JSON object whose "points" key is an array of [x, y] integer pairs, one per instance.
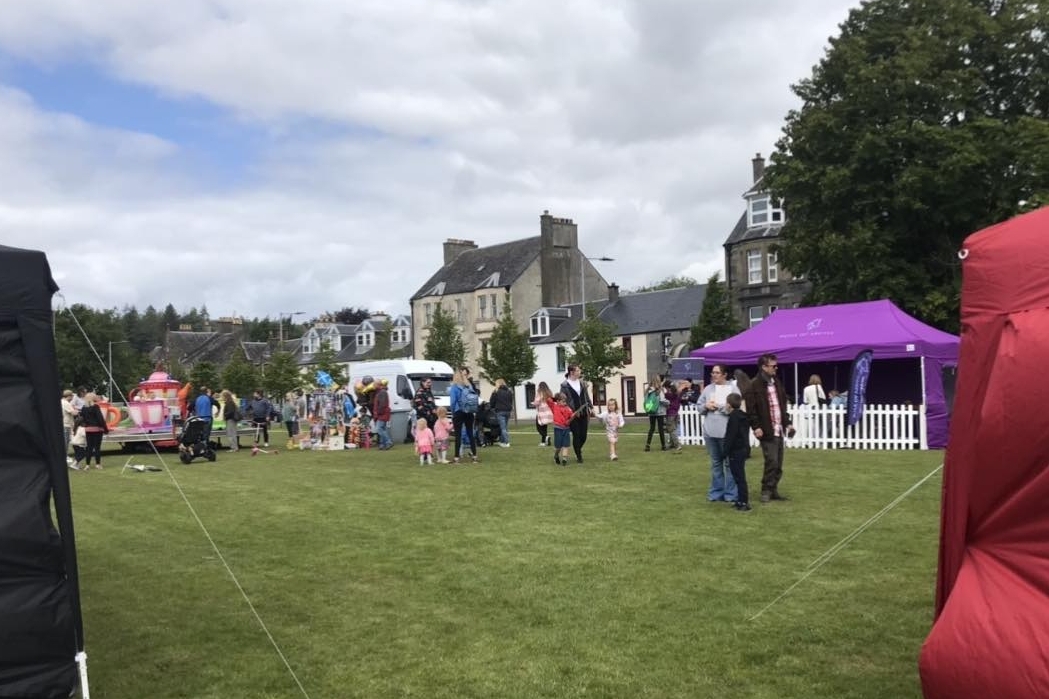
{"points": [[991, 634]]}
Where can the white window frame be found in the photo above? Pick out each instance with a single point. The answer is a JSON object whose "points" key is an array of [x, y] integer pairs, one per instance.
{"points": [[758, 211], [754, 272], [460, 314], [428, 314], [561, 358], [365, 339], [773, 266], [482, 307], [776, 211], [540, 326], [750, 315], [495, 306]]}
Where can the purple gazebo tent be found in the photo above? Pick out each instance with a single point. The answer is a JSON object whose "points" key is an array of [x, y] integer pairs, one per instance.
{"points": [[837, 333]]}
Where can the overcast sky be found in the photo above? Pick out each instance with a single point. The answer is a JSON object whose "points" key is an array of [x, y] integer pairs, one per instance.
{"points": [[265, 156]]}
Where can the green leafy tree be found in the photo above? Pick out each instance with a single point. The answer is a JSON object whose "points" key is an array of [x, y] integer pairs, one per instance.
{"points": [[510, 356], [351, 316], [324, 360], [668, 283], [204, 374], [445, 343], [716, 321], [82, 337], [381, 350], [924, 122], [169, 319], [282, 374], [240, 376], [596, 350]]}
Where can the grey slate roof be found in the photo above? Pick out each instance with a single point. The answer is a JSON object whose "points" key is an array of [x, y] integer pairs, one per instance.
{"points": [[472, 268], [637, 314], [742, 233]]}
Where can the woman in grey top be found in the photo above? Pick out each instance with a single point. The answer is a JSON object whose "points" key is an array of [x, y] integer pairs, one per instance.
{"points": [[711, 405]]}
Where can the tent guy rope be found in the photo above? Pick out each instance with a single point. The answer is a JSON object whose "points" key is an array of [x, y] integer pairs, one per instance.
{"points": [[833, 550], [203, 528]]}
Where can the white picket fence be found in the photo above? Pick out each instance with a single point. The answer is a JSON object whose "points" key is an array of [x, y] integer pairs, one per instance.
{"points": [[823, 427]]}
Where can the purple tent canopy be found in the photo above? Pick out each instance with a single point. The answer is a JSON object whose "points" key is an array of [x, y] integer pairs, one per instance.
{"points": [[839, 332]]}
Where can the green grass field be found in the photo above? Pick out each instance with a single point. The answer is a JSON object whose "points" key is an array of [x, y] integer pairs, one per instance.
{"points": [[514, 578]]}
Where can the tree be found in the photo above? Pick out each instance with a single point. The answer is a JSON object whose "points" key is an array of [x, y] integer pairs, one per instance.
{"points": [[324, 360], [595, 349], [351, 316], [509, 357], [923, 123], [381, 349], [716, 321], [204, 374], [240, 376], [445, 343], [668, 283], [281, 374]]}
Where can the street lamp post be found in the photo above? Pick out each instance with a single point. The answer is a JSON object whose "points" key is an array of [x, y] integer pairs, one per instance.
{"points": [[582, 278], [280, 325], [109, 368]]}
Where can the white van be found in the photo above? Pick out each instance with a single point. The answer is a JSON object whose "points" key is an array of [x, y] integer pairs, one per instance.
{"points": [[403, 377]]}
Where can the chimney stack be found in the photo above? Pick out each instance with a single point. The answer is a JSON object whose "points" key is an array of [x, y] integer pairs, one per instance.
{"points": [[758, 163], [613, 293], [454, 247]]}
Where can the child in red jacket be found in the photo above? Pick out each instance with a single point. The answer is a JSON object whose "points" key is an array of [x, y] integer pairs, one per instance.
{"points": [[562, 436]]}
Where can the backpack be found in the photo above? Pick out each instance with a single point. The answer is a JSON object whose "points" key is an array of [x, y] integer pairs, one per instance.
{"points": [[238, 414], [468, 400], [652, 402]]}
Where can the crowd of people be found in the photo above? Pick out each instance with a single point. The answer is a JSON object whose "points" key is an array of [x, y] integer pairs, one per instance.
{"points": [[733, 407]]}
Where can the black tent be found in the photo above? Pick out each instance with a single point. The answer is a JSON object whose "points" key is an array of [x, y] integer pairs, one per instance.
{"points": [[41, 631]]}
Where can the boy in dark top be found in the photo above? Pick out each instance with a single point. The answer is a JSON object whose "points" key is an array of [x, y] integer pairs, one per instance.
{"points": [[736, 445]]}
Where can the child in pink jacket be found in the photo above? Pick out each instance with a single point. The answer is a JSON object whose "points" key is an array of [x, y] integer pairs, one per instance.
{"points": [[424, 441]]}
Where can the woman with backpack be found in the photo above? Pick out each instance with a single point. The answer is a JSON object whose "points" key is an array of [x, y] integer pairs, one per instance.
{"points": [[230, 413], [464, 402]]}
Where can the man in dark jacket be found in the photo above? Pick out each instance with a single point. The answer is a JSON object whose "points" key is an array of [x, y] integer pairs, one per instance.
{"points": [[381, 414], [767, 411], [503, 404]]}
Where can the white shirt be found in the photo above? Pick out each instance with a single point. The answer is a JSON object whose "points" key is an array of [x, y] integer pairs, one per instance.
{"points": [[813, 394]]}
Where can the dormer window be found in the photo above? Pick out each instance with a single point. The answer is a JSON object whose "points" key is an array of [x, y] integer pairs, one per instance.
{"points": [[540, 324], [763, 212], [399, 336], [365, 339]]}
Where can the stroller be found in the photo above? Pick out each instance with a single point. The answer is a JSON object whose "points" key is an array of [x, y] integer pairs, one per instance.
{"points": [[486, 425], [191, 442]]}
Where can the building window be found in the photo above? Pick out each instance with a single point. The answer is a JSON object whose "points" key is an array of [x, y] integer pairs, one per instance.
{"points": [[495, 305], [758, 212], [484, 348], [540, 326], [664, 342], [529, 393], [400, 336], [428, 314], [754, 267], [482, 307], [460, 314], [772, 309], [600, 393], [776, 212], [365, 339], [754, 312], [628, 348], [773, 263], [562, 360]]}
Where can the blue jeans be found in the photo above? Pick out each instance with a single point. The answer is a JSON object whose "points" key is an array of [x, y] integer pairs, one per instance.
{"points": [[382, 428], [504, 431], [722, 484]]}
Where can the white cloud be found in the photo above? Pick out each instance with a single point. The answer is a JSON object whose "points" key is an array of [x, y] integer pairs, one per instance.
{"points": [[390, 127]]}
